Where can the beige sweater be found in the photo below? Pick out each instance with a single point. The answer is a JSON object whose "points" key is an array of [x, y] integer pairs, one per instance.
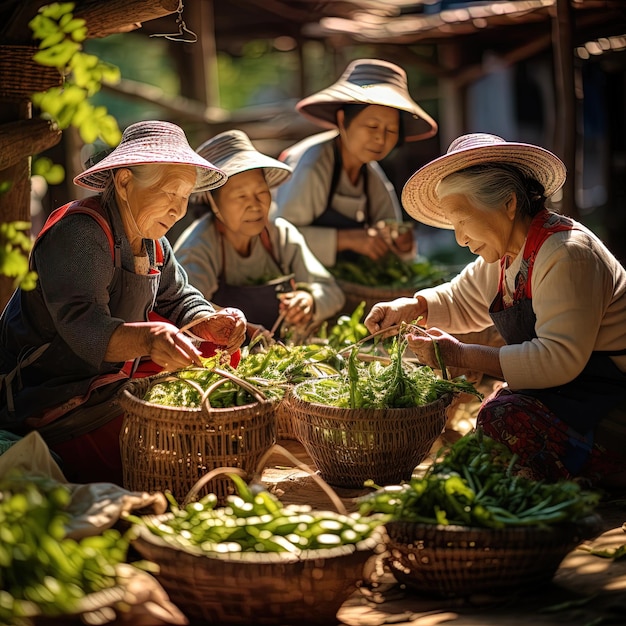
{"points": [[579, 299]]}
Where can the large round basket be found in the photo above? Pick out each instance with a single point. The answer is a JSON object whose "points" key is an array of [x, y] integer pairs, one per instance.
{"points": [[257, 588], [461, 561], [170, 448], [350, 446]]}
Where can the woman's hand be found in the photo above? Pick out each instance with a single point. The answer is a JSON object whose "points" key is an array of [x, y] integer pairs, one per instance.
{"points": [[161, 341], [255, 330], [367, 242], [226, 327], [386, 314], [297, 306], [422, 344]]}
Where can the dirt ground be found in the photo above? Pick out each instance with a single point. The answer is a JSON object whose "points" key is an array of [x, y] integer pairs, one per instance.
{"points": [[587, 590]]}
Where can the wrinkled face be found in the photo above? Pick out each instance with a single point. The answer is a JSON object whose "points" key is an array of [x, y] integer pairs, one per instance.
{"points": [[372, 134], [243, 203], [157, 201], [486, 233]]}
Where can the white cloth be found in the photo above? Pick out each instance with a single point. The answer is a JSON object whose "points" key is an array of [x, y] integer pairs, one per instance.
{"points": [[578, 296], [198, 250], [304, 196]]}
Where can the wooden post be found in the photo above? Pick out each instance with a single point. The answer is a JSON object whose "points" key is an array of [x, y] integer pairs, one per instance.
{"points": [[566, 127]]}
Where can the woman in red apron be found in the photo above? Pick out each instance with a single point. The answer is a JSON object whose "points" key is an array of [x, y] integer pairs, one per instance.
{"points": [[553, 290], [236, 256], [109, 294]]}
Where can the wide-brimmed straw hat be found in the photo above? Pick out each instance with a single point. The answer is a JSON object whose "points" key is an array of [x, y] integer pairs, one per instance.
{"points": [[419, 195], [369, 81], [233, 152], [151, 142]]}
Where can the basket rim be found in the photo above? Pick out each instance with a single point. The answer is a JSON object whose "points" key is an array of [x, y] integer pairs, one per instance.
{"points": [[258, 558], [125, 396], [442, 401], [591, 521]]}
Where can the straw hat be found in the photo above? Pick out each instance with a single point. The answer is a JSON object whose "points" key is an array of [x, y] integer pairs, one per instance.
{"points": [[150, 142], [233, 152], [419, 195], [369, 81]]}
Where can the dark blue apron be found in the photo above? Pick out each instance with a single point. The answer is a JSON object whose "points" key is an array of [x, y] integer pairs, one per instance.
{"points": [[52, 374], [331, 218], [601, 386], [259, 303]]}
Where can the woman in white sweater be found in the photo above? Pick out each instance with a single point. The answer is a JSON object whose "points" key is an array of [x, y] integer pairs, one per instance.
{"points": [[554, 291], [234, 254]]}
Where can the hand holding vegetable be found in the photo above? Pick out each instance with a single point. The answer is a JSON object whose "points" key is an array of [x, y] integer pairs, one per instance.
{"points": [[297, 306], [425, 344], [226, 327], [367, 242], [386, 314]]}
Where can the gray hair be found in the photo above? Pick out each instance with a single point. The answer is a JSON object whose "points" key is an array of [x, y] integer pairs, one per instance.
{"points": [[490, 185]]}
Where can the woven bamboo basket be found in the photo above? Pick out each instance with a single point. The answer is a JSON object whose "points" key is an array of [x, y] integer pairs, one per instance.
{"points": [[170, 448], [461, 561], [350, 446], [250, 588]]}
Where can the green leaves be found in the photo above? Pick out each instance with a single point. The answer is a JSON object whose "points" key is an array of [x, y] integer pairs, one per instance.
{"points": [[14, 247], [61, 36]]}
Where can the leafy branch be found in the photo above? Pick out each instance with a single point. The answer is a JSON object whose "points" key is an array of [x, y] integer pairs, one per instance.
{"points": [[61, 36], [15, 245]]}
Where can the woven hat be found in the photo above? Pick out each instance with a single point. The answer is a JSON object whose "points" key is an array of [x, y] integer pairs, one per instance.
{"points": [[369, 81], [151, 142], [233, 152], [419, 195]]}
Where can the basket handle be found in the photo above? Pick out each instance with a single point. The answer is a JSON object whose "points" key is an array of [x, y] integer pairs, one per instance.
{"points": [[203, 480], [169, 377], [244, 384], [328, 490]]}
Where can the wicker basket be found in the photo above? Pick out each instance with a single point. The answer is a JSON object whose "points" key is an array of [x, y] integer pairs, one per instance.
{"points": [[170, 448], [246, 588], [350, 446], [461, 561]]}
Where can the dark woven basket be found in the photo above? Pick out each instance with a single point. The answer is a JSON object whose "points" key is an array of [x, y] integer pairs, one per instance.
{"points": [[170, 448], [246, 588], [461, 561], [350, 446]]}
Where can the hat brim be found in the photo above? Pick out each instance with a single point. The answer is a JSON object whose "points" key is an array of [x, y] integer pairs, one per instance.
{"points": [[275, 171], [321, 108], [419, 194], [98, 176]]}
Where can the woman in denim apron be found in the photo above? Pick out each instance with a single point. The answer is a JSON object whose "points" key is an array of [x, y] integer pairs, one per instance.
{"points": [[109, 294], [236, 256], [553, 290]]}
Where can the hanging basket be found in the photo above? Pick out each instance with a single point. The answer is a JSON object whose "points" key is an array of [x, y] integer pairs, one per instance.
{"points": [[169, 448], [350, 446], [461, 561], [250, 588]]}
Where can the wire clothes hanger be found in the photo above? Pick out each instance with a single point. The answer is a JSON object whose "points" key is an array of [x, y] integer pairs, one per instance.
{"points": [[184, 34]]}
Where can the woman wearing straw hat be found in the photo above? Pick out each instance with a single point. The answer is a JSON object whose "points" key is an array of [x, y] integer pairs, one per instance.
{"points": [[338, 193], [235, 256], [550, 286], [109, 292]]}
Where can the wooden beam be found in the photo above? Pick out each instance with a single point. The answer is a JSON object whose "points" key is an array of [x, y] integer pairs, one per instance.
{"points": [[566, 127], [121, 16], [24, 138], [20, 76]]}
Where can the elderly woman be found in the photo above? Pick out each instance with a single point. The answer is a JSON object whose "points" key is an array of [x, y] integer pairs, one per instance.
{"points": [[550, 286], [109, 292], [338, 193], [234, 255]]}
